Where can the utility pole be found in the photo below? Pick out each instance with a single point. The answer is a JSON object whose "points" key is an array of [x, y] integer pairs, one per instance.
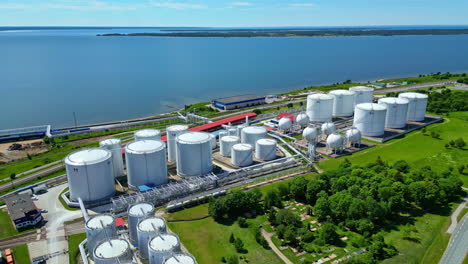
{"points": [[74, 117]]}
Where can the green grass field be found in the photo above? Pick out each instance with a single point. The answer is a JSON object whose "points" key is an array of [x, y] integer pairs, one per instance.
{"points": [[6, 226], [208, 241], [194, 213], [21, 254], [418, 149], [73, 250]]}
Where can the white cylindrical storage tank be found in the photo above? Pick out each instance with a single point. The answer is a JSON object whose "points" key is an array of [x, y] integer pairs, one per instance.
{"points": [[172, 132], [251, 134], [180, 258], [369, 118], [417, 105], [163, 246], [194, 156], [302, 119], [319, 107], [328, 128], [148, 134], [343, 102], [226, 144], [213, 141], [232, 132], [242, 155], [265, 149], [363, 94], [397, 111], [113, 251], [137, 212], [147, 228], [90, 175], [221, 135], [285, 123], [353, 136], [335, 142], [310, 134], [115, 147], [146, 163], [239, 130], [99, 228]]}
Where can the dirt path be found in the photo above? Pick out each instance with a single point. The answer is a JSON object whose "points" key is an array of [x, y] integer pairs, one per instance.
{"points": [[268, 236]]}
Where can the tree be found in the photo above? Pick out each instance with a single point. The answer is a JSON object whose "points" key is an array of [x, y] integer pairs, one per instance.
{"points": [[290, 236], [290, 105], [327, 233], [234, 259], [239, 245], [272, 199], [29, 156], [298, 189], [232, 238], [322, 208], [287, 218], [402, 166], [460, 143], [283, 190], [217, 209], [424, 130], [280, 230], [257, 111], [435, 135], [452, 143], [12, 176], [461, 168], [314, 187], [242, 222]]}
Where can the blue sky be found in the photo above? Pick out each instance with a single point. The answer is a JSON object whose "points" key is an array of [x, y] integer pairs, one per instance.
{"points": [[236, 13]]}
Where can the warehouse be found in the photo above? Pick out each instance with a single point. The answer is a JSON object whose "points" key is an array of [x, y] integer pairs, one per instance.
{"points": [[22, 211], [236, 102]]}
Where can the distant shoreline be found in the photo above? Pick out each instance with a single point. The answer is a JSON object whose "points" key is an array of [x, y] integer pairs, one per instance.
{"points": [[293, 33]]}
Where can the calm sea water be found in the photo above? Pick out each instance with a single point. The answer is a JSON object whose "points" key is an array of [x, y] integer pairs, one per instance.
{"points": [[46, 75]]}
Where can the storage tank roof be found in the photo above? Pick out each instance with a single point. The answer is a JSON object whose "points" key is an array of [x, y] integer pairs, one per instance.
{"points": [[164, 242], [97, 222], [177, 128], [361, 88], [394, 100], [242, 147], [193, 137], [180, 259], [136, 209], [230, 139], [110, 141], [413, 95], [145, 146], [88, 156], [342, 92], [318, 96], [147, 133], [266, 141], [112, 248], [371, 106], [151, 224], [254, 130]]}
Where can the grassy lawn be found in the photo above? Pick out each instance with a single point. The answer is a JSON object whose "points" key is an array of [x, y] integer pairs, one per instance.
{"points": [[21, 254], [418, 149], [208, 241], [462, 213], [6, 226], [50, 176], [195, 212], [64, 203], [73, 250]]}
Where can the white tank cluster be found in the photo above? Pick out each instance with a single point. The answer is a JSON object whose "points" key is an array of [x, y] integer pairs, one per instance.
{"points": [[265, 149], [335, 143], [310, 134], [194, 155], [213, 141], [319, 107], [302, 119], [222, 134], [113, 251], [172, 133], [114, 145], [148, 134], [137, 212], [242, 155], [353, 137], [363, 94], [369, 118], [239, 129], [99, 228], [90, 175], [180, 258], [417, 105], [232, 131], [226, 144], [146, 163], [397, 111], [285, 123], [328, 128], [251, 134], [147, 228], [343, 102], [163, 246]]}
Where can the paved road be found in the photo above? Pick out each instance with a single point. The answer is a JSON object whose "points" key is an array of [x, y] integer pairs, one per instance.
{"points": [[455, 214], [458, 245], [278, 252], [415, 87]]}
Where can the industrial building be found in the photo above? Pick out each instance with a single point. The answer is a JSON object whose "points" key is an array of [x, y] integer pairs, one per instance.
{"points": [[237, 102], [22, 211]]}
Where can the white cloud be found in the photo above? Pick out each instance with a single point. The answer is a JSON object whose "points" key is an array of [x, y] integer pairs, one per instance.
{"points": [[302, 5], [241, 4], [90, 6], [178, 5], [13, 6]]}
